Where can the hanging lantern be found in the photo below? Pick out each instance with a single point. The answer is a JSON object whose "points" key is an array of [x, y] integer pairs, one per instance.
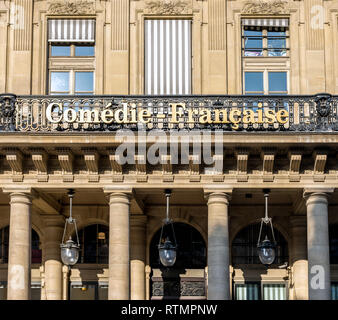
{"points": [[266, 248], [70, 249], [166, 248]]}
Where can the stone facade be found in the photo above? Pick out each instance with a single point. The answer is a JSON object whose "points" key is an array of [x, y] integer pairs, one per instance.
{"points": [[36, 168]]}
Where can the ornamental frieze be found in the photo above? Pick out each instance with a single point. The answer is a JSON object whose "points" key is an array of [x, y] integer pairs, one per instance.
{"points": [[265, 7], [169, 7], [71, 7]]}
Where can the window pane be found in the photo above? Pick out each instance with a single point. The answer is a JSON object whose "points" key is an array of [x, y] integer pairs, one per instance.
{"points": [[84, 82], [274, 292], [276, 43], [334, 291], [60, 51], [83, 292], [81, 51], [247, 291], [59, 82], [277, 82], [253, 41], [254, 82]]}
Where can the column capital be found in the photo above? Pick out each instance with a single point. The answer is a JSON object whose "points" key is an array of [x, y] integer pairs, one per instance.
{"points": [[218, 195], [317, 194], [118, 189], [17, 190], [317, 191]]}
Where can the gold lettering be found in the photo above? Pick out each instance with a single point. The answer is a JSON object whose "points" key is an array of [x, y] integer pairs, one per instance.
{"points": [[133, 113], [248, 116], [142, 114], [191, 113], [70, 115], [260, 113], [234, 121], [270, 116], [175, 112], [205, 116], [217, 116], [86, 116], [122, 112], [107, 116], [282, 116], [50, 110]]}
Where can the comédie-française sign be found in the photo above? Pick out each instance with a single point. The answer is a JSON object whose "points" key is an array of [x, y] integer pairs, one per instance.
{"points": [[133, 114]]}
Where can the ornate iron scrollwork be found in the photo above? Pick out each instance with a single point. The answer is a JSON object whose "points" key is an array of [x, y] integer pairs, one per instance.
{"points": [[323, 109], [7, 109], [323, 104]]}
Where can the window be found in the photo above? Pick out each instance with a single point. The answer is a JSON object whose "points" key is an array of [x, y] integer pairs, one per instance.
{"points": [[192, 250], [266, 82], [334, 290], [71, 56], [88, 290], [260, 291], [35, 290], [4, 245], [333, 240], [265, 38], [247, 291], [244, 246], [94, 241], [167, 57]]}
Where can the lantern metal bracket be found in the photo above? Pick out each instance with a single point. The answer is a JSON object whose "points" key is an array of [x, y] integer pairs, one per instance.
{"points": [[167, 220], [266, 220], [70, 220]]}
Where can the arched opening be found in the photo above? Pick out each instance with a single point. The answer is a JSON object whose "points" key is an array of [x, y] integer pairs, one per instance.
{"points": [[191, 252], [4, 246], [36, 258], [249, 285], [94, 244], [186, 277], [244, 246]]}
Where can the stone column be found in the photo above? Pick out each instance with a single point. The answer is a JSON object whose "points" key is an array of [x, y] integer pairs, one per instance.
{"points": [[318, 244], [218, 246], [137, 256], [54, 226], [119, 271], [299, 258], [20, 246]]}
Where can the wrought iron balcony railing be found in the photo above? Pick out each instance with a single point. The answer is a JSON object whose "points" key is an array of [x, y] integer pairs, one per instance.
{"points": [[317, 113]]}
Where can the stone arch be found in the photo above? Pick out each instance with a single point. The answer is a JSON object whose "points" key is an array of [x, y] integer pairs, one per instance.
{"points": [[282, 243], [235, 228], [201, 249]]}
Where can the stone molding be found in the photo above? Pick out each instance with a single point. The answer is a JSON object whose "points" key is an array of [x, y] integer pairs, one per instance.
{"points": [[266, 7], [169, 7], [71, 7]]}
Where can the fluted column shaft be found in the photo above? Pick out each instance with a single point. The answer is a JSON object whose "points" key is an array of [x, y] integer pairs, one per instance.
{"points": [[218, 246], [318, 244], [20, 247]]}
